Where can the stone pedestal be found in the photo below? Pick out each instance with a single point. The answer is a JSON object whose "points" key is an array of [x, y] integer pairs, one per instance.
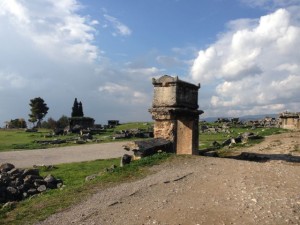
{"points": [[176, 114]]}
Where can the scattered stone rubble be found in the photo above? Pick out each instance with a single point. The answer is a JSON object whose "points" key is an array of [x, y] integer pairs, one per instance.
{"points": [[227, 124], [138, 133], [230, 142], [149, 147], [17, 184]]}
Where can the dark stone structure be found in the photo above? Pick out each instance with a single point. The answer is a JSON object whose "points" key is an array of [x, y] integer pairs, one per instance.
{"points": [[82, 122]]}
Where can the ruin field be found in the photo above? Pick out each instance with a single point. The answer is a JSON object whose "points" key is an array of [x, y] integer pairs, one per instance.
{"points": [[18, 139], [258, 184]]}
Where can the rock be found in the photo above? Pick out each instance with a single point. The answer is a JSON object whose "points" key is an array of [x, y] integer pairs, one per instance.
{"points": [[9, 205], [91, 177], [49, 178], [226, 142], [125, 159], [32, 191], [30, 179], [59, 183], [13, 171], [211, 154], [42, 188], [31, 172], [148, 147], [6, 167], [39, 182]]}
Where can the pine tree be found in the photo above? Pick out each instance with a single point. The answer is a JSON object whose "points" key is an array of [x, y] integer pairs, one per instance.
{"points": [[80, 109], [39, 109], [75, 109]]}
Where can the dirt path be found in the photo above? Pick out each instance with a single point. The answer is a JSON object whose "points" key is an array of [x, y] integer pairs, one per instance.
{"points": [[202, 190], [53, 156]]}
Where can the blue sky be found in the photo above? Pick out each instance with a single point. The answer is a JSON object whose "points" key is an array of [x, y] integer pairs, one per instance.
{"points": [[243, 52]]}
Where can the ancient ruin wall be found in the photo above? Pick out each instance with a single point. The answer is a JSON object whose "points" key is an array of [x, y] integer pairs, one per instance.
{"points": [[176, 114]]}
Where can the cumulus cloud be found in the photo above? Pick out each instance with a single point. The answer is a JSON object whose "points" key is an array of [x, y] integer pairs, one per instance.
{"points": [[124, 94], [254, 67], [119, 27], [54, 26], [47, 50]]}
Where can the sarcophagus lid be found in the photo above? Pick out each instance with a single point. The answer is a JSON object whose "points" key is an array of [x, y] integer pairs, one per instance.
{"points": [[172, 92]]}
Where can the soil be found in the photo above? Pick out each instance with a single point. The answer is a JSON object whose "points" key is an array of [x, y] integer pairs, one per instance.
{"points": [[191, 190]]}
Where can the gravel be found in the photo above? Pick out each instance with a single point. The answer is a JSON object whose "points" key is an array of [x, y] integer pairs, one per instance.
{"points": [[53, 156]]}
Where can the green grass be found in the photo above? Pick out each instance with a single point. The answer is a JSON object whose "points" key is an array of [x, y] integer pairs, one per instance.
{"points": [[18, 139], [76, 188], [206, 139]]}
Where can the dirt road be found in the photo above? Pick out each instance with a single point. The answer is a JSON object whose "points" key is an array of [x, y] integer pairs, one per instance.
{"points": [[192, 190], [53, 156]]}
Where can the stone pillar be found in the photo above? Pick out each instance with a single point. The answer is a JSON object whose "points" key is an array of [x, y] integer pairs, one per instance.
{"points": [[176, 114]]}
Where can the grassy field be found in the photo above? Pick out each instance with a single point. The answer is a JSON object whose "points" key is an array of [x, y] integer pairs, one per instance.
{"points": [[18, 139], [206, 139], [76, 188]]}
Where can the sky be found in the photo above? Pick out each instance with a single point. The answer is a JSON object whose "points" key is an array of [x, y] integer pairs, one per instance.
{"points": [[244, 53]]}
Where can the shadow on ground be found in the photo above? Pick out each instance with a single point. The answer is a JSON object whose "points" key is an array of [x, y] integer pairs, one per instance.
{"points": [[258, 157]]}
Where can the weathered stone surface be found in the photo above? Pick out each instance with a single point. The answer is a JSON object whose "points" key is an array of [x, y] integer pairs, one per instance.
{"points": [[148, 147], [176, 114]]}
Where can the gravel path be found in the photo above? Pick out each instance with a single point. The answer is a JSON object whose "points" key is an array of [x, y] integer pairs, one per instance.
{"points": [[201, 190], [52, 156]]}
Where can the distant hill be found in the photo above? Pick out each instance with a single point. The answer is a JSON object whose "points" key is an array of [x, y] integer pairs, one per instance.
{"points": [[243, 118]]}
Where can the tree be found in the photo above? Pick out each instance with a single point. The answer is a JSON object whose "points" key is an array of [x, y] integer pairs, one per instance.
{"points": [[49, 124], [39, 109], [17, 123], [77, 110], [63, 122], [80, 109]]}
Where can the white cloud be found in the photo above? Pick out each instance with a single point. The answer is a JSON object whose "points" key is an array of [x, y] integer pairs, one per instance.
{"points": [[254, 67], [48, 50], [10, 80], [124, 94], [54, 26], [120, 28]]}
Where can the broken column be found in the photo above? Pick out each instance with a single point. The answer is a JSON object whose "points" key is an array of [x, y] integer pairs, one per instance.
{"points": [[176, 114]]}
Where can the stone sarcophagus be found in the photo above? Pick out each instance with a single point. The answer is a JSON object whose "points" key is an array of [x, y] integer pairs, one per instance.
{"points": [[176, 114]]}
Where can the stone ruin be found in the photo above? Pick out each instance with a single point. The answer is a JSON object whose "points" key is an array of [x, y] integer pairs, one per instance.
{"points": [[17, 184], [289, 120], [176, 115]]}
